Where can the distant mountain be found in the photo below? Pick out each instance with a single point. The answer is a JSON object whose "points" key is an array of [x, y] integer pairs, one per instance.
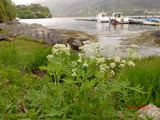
{"points": [[93, 7]]}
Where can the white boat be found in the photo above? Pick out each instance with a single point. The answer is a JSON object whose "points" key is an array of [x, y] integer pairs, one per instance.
{"points": [[152, 21], [118, 18], [102, 18]]}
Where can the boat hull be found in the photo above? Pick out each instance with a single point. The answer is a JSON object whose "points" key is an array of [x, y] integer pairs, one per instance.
{"points": [[114, 22], [119, 20], [151, 23], [135, 22], [103, 20]]}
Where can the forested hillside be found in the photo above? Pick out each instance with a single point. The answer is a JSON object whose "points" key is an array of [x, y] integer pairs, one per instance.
{"points": [[33, 11], [93, 7], [7, 10]]}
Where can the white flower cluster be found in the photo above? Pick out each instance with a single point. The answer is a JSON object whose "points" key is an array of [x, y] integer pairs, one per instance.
{"points": [[59, 49], [131, 63], [117, 59], [103, 68], [80, 57], [74, 63], [112, 65], [92, 48], [74, 73], [100, 60], [107, 65], [49, 57], [132, 53], [85, 64]]}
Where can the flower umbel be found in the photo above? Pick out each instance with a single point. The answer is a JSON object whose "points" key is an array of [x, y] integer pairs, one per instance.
{"points": [[60, 49], [131, 63]]}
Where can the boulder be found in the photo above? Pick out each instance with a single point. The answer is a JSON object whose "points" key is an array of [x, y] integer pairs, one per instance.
{"points": [[150, 111], [39, 32], [75, 43]]}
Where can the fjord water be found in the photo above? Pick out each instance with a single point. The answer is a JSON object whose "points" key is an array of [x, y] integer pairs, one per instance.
{"points": [[105, 32]]}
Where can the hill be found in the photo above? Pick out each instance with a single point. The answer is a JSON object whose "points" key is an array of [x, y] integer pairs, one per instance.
{"points": [[93, 7]]}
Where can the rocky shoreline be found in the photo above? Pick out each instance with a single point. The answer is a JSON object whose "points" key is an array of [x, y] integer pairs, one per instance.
{"points": [[156, 35], [41, 33]]}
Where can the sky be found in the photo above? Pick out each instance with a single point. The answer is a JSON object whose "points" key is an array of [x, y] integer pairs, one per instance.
{"points": [[17, 2]]}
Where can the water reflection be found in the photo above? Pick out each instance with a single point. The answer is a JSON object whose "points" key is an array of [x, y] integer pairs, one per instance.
{"points": [[110, 27], [119, 27]]}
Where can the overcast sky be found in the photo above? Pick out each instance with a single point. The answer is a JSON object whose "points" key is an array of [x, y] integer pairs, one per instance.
{"points": [[17, 2]]}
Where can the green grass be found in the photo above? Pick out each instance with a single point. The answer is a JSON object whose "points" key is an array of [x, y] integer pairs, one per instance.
{"points": [[146, 74], [23, 54], [26, 38], [59, 95], [17, 59], [3, 31]]}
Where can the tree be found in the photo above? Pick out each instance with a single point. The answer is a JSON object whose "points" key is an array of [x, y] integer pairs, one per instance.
{"points": [[10, 9], [7, 10], [3, 14]]}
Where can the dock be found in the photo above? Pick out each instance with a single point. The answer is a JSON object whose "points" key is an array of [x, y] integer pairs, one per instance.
{"points": [[87, 19], [144, 17]]}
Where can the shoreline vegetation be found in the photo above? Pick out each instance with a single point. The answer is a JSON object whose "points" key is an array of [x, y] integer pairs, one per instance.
{"points": [[33, 11]]}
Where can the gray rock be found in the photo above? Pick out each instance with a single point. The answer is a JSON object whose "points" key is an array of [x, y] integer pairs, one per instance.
{"points": [[37, 31], [157, 40], [151, 111], [2, 37], [155, 33], [13, 22], [75, 43]]}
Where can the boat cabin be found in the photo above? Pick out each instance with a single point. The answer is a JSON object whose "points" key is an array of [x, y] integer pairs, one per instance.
{"points": [[117, 15], [102, 15]]}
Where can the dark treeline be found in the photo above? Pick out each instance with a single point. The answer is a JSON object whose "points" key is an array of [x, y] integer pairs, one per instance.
{"points": [[7, 10]]}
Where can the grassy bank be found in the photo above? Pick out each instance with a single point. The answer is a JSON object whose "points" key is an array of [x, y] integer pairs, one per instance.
{"points": [[146, 74], [72, 86], [22, 54]]}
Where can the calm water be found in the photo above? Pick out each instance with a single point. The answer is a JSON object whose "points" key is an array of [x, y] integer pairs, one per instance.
{"points": [[105, 32]]}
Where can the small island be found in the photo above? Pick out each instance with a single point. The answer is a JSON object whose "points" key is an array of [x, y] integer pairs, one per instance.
{"points": [[33, 11]]}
